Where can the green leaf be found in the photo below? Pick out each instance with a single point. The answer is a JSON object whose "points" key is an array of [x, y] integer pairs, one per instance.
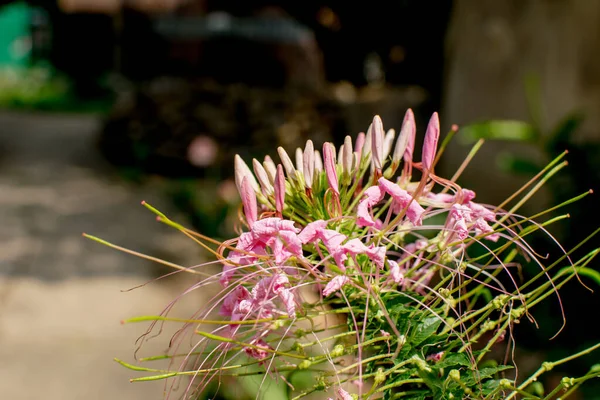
{"points": [[517, 165], [483, 373], [454, 360], [499, 130], [425, 329]]}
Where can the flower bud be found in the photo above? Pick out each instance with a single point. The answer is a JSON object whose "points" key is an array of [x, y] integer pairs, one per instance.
{"points": [[263, 177], [431, 140], [249, 201], [242, 170], [377, 137], [270, 167], [287, 163], [279, 187], [409, 128], [329, 163], [309, 163]]}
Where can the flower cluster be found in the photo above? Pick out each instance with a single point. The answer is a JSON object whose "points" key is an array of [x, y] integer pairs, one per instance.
{"points": [[365, 268]]}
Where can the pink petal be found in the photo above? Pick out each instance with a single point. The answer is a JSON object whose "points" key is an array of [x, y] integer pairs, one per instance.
{"points": [[309, 163], [260, 351], [377, 255], [232, 299], [402, 200], [335, 284], [287, 298], [396, 272], [343, 395], [358, 145], [355, 246], [430, 143], [373, 195], [311, 231]]}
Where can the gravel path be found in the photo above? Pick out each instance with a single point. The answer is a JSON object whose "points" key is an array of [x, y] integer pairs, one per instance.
{"points": [[60, 295]]}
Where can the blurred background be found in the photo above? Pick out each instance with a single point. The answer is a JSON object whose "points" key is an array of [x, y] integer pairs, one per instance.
{"points": [[105, 103]]}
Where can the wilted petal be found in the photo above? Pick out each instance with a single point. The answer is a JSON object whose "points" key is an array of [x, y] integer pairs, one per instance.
{"points": [[249, 202], [430, 143], [403, 200], [335, 284], [329, 164]]}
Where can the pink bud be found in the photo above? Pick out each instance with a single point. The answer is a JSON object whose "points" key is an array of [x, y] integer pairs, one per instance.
{"points": [[270, 168], [347, 157], [287, 163], [409, 128], [387, 143], [279, 186], [242, 170], [431, 140], [249, 202], [359, 144], [377, 137], [318, 161], [329, 163], [309, 163], [299, 160], [263, 177]]}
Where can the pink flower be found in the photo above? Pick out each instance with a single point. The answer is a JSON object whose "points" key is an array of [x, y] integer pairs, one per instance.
{"points": [[396, 272], [259, 350], [402, 200], [335, 284], [373, 195], [270, 287], [430, 143], [233, 299], [312, 231]]}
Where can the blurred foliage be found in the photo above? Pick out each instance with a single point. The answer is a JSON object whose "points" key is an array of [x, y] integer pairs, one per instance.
{"points": [[41, 87], [581, 175]]}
